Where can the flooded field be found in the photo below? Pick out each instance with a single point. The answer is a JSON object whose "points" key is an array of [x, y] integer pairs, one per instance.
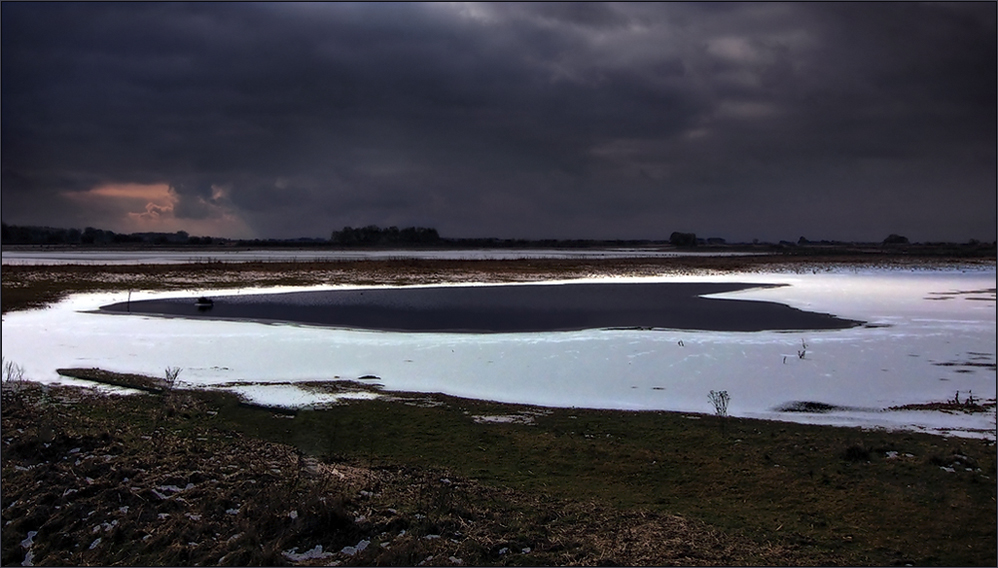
{"points": [[929, 335]]}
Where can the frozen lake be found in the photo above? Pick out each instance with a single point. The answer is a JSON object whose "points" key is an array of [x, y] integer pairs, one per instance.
{"points": [[502, 308], [929, 334]]}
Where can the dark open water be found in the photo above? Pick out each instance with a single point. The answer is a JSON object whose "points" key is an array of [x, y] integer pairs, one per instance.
{"points": [[505, 309]]}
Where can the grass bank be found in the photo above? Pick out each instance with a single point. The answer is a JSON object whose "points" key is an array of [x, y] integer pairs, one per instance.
{"points": [[861, 497], [198, 477]]}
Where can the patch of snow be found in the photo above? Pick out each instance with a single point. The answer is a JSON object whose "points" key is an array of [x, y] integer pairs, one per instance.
{"points": [[503, 419], [291, 396], [352, 550], [315, 553], [174, 488], [105, 526]]}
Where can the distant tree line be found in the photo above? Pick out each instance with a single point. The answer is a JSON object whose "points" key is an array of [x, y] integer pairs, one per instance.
{"points": [[28, 235], [374, 235]]}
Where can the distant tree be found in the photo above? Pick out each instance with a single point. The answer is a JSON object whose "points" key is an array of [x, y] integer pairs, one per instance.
{"points": [[683, 239], [374, 235], [122, 238], [894, 239]]}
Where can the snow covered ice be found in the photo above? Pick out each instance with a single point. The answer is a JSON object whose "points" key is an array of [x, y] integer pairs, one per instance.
{"points": [[929, 334]]}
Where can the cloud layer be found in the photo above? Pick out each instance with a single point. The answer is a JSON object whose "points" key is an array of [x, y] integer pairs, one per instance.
{"points": [[743, 121]]}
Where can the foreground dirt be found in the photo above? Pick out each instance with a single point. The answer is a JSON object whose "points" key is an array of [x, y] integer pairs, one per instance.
{"points": [[109, 480]]}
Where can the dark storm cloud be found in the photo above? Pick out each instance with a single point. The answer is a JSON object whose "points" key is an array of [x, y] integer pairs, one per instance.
{"points": [[842, 121]]}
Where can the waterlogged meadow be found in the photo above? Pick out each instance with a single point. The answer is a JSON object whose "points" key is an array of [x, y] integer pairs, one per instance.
{"points": [[927, 337], [277, 443]]}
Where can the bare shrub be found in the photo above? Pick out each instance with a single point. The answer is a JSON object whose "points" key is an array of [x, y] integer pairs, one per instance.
{"points": [[13, 376], [720, 401], [171, 377], [12, 384]]}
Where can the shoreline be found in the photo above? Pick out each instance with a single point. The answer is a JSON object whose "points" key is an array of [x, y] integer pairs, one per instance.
{"points": [[348, 391]]}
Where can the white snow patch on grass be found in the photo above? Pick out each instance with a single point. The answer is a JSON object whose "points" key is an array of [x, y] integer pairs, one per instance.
{"points": [[291, 396], [312, 554]]}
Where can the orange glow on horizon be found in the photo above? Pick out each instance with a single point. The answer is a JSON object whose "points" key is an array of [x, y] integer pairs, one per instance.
{"points": [[151, 192], [136, 208]]}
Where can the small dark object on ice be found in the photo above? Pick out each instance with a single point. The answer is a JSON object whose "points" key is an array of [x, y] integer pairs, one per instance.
{"points": [[204, 303]]}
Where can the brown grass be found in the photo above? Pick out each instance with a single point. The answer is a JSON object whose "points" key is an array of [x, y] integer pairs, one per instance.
{"points": [[109, 480]]}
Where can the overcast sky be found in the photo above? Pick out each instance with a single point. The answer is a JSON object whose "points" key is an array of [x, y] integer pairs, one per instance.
{"points": [[741, 121]]}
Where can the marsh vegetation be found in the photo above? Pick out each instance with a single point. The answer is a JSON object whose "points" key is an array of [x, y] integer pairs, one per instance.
{"points": [[178, 477], [205, 479]]}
